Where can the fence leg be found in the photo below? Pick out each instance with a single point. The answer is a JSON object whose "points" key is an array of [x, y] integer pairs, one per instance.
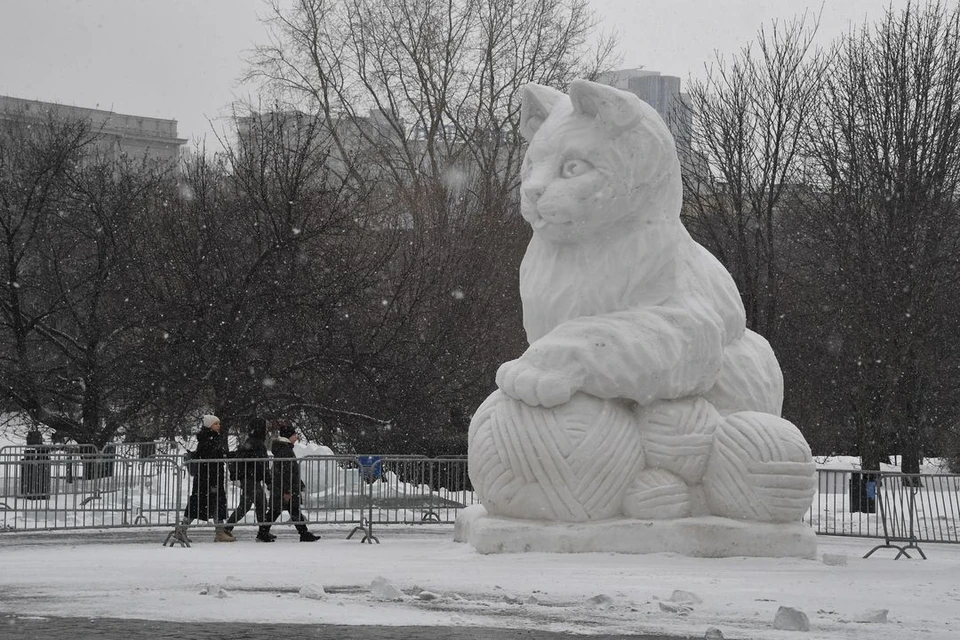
{"points": [[430, 514], [903, 550], [178, 535], [368, 536], [912, 543]]}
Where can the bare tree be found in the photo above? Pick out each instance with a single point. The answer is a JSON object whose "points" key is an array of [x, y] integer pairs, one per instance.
{"points": [[70, 317], [254, 256], [745, 163], [881, 235], [35, 159], [428, 85], [420, 99]]}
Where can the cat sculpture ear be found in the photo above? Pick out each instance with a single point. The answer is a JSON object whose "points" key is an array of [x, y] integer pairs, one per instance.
{"points": [[536, 103], [614, 109]]}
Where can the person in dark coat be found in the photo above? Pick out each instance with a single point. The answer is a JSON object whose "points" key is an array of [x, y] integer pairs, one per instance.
{"points": [[208, 496], [251, 468], [285, 486]]}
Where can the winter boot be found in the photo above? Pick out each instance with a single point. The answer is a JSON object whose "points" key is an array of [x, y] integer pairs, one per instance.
{"points": [[264, 535], [306, 536], [224, 536]]}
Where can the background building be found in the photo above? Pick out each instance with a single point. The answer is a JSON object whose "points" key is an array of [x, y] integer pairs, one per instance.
{"points": [[660, 92], [663, 94], [134, 136]]}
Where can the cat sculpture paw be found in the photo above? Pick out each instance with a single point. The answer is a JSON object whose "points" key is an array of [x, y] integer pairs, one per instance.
{"points": [[536, 386]]}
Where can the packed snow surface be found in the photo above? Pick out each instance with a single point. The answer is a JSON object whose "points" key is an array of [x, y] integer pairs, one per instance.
{"points": [[419, 576]]}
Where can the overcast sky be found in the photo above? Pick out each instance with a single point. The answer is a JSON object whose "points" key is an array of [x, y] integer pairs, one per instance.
{"points": [[182, 59]]}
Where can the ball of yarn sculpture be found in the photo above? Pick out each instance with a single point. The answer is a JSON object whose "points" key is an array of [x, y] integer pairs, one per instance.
{"points": [[657, 494], [760, 469], [569, 463], [678, 435]]}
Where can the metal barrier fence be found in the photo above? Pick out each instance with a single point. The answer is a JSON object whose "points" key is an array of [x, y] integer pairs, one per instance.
{"points": [[44, 487], [894, 506], [74, 487]]}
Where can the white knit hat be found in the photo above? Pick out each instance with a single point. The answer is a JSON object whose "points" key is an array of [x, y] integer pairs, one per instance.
{"points": [[209, 420]]}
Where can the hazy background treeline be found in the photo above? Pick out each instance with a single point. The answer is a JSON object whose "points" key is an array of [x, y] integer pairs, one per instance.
{"points": [[350, 260]]}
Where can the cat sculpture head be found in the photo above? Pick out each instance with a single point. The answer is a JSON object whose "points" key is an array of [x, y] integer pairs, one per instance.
{"points": [[600, 163]]}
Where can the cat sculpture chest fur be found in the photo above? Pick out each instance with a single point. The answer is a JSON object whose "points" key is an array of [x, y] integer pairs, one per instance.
{"points": [[642, 395]]}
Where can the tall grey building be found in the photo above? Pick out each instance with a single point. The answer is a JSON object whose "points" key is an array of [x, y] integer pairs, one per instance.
{"points": [[134, 136]]}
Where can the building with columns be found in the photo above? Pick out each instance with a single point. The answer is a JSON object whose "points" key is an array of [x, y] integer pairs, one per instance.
{"points": [[133, 136]]}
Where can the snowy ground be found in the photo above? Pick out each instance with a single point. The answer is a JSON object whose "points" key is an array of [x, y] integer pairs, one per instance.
{"points": [[129, 575]]}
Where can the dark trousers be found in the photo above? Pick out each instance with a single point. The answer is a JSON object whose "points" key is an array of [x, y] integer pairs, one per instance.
{"points": [[251, 495], [278, 505], [210, 505]]}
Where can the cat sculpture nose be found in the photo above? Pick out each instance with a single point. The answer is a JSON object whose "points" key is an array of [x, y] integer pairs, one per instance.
{"points": [[533, 193]]}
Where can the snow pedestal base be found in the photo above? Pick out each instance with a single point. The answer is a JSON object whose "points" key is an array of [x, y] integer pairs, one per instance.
{"points": [[703, 536]]}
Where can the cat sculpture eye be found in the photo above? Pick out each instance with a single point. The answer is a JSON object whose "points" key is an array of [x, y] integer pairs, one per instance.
{"points": [[574, 168]]}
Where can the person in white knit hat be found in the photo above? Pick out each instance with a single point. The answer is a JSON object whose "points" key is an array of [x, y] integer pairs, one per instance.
{"points": [[208, 496]]}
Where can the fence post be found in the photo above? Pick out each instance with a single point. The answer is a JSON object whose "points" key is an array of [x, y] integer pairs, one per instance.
{"points": [[430, 513], [371, 465]]}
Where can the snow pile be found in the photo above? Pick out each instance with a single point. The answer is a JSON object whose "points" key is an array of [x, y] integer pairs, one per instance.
{"points": [[790, 619], [383, 589], [874, 616], [311, 449], [312, 592]]}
